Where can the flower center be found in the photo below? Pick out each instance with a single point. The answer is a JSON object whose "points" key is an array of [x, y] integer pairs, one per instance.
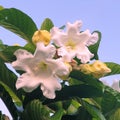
{"points": [[70, 44], [42, 65]]}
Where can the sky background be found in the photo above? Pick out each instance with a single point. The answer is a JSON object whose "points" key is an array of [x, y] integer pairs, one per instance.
{"points": [[101, 15]]}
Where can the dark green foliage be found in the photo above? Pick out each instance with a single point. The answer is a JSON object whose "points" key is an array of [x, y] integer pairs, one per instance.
{"points": [[18, 22], [47, 24], [4, 95]]}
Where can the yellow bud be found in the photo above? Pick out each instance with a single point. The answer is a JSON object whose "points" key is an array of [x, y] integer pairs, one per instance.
{"points": [[41, 36], [85, 68], [99, 69]]}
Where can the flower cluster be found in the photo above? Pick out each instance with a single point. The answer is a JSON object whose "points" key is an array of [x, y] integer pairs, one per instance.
{"points": [[51, 62]]}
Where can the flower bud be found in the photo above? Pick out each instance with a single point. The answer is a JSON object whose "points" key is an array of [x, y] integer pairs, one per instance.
{"points": [[41, 36], [99, 69], [85, 68]]}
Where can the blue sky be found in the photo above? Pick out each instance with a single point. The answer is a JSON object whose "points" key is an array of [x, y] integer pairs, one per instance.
{"points": [[102, 15]]}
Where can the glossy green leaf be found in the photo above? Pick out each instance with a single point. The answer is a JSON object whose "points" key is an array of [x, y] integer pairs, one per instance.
{"points": [[70, 117], [47, 24], [73, 107], [94, 48], [29, 48], [8, 78], [36, 111], [35, 94], [110, 101], [62, 27], [18, 22], [58, 115], [83, 114], [96, 113], [82, 91], [7, 52], [115, 68], [73, 81], [87, 79], [12, 94], [4, 95], [115, 115]]}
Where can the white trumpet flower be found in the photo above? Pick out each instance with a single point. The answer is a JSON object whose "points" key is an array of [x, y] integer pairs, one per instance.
{"points": [[74, 43], [40, 70]]}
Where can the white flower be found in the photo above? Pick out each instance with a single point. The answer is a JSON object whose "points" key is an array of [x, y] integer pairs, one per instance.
{"points": [[73, 42], [40, 70]]}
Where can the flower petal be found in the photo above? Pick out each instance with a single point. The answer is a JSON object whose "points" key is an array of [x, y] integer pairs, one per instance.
{"points": [[49, 86], [42, 52], [22, 54], [93, 39], [23, 61], [28, 82], [58, 67], [74, 28], [82, 38], [58, 36], [67, 55], [84, 54]]}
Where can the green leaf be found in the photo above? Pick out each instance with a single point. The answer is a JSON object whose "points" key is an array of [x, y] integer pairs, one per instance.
{"points": [[73, 81], [96, 113], [73, 107], [115, 68], [12, 94], [58, 115], [36, 111], [87, 79], [8, 78], [82, 91], [18, 22], [70, 117], [29, 48], [7, 52], [1, 7], [62, 27], [83, 114], [47, 24], [6, 98], [110, 101], [35, 94], [115, 115], [94, 48]]}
